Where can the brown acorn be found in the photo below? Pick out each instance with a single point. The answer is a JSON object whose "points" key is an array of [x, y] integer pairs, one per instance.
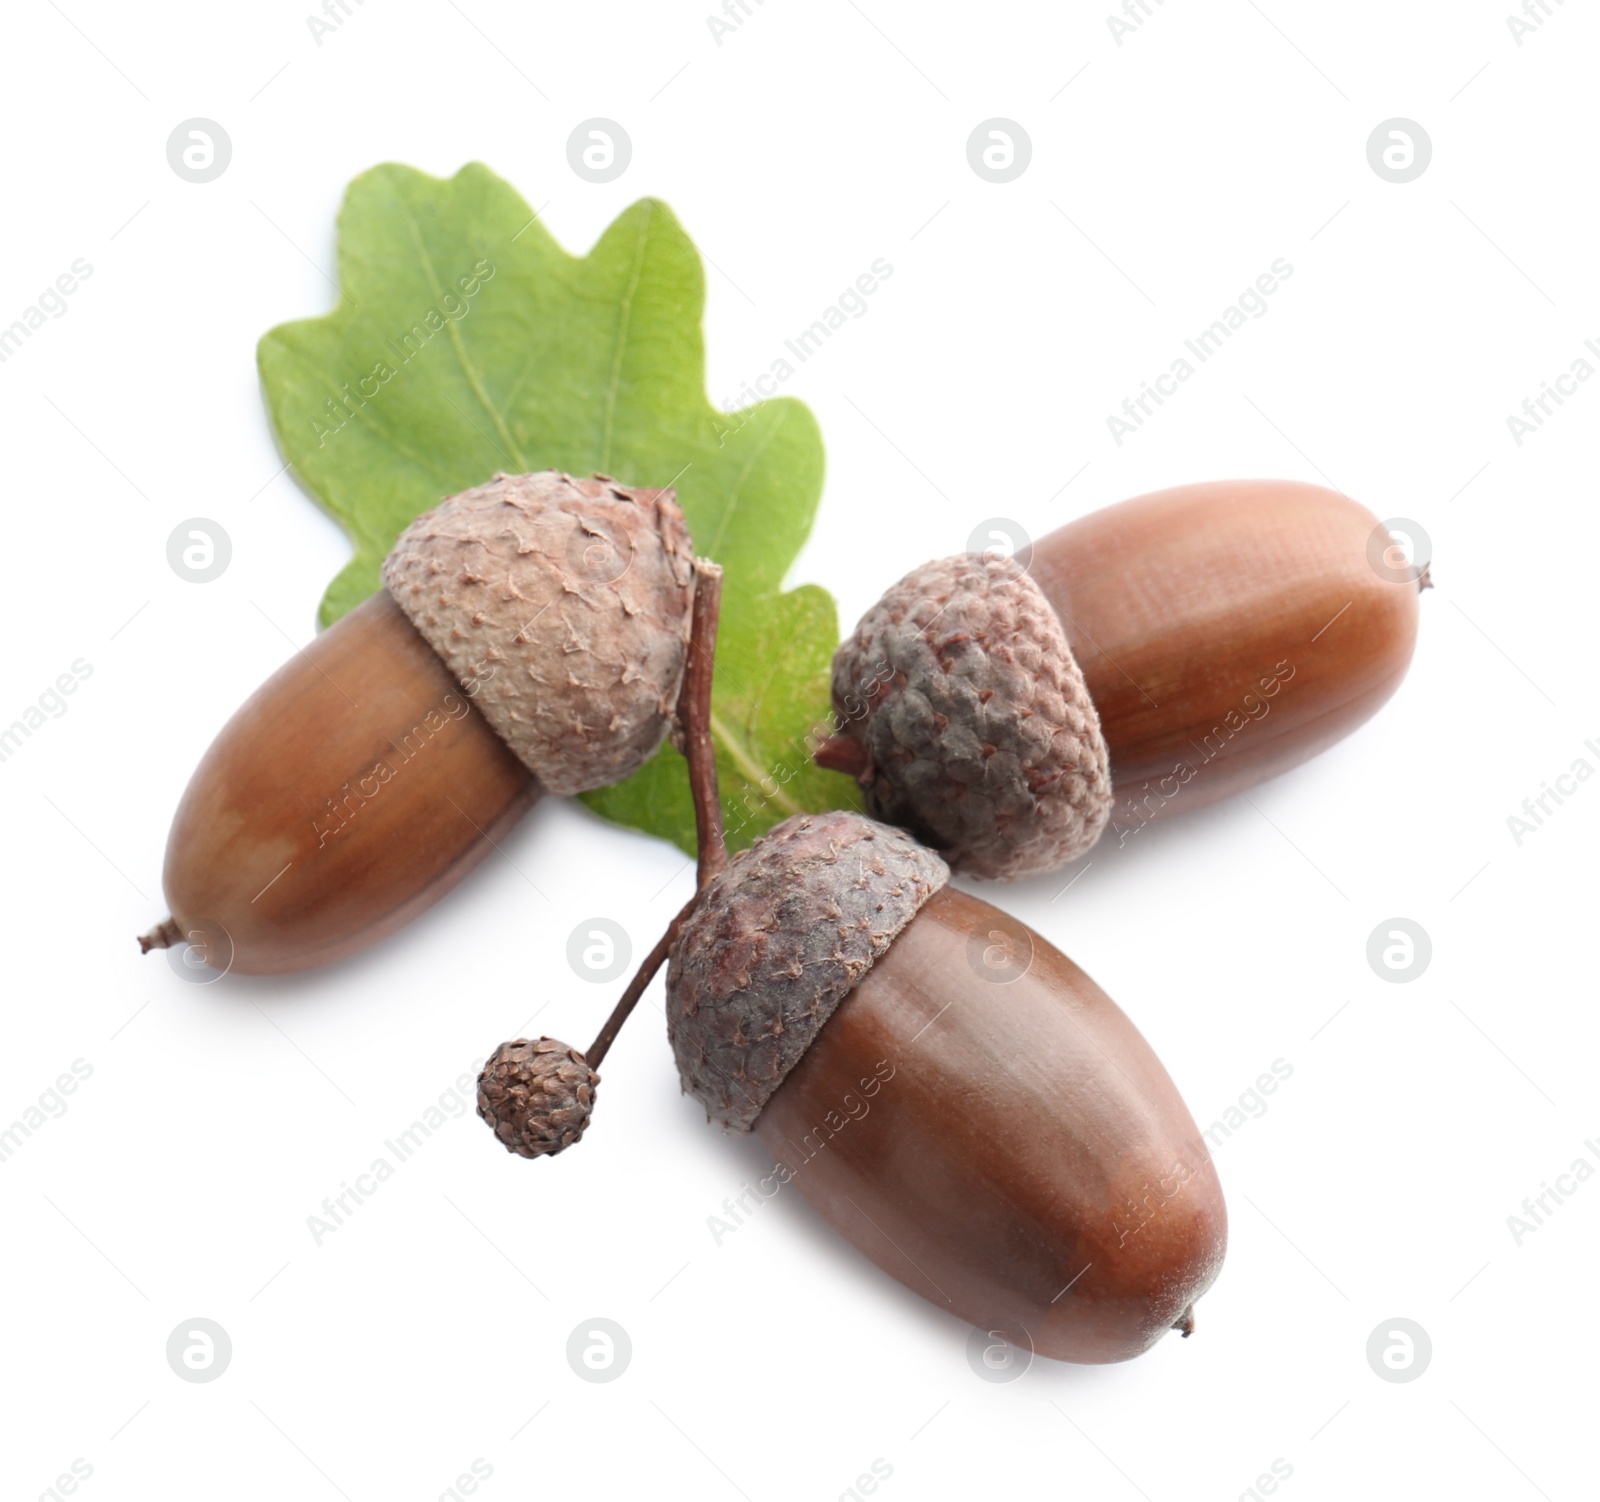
{"points": [[949, 1091], [1187, 644], [531, 637], [537, 1096]]}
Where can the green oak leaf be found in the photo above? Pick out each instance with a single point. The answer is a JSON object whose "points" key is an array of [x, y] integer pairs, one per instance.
{"points": [[467, 341]]}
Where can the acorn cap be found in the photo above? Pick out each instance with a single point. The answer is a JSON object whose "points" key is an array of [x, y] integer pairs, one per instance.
{"points": [[971, 721], [562, 607], [537, 1096], [776, 942]]}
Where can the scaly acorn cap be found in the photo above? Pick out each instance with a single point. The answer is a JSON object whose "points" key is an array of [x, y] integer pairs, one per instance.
{"points": [[776, 942], [537, 1096], [971, 723], [562, 608]]}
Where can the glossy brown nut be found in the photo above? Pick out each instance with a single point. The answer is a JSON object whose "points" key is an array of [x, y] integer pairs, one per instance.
{"points": [[981, 1120], [354, 789], [1222, 633], [1227, 632]]}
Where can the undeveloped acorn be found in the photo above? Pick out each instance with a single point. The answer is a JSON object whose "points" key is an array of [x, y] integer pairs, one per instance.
{"points": [[950, 1092], [537, 1096], [531, 638], [1220, 633]]}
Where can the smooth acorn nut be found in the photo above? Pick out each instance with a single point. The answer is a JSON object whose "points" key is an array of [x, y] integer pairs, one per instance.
{"points": [[531, 637], [1221, 634], [950, 1092]]}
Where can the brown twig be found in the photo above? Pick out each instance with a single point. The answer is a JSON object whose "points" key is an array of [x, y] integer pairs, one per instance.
{"points": [[163, 936], [842, 753], [694, 724], [694, 721], [642, 977]]}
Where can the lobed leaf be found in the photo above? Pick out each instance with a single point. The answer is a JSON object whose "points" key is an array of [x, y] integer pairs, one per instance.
{"points": [[467, 341]]}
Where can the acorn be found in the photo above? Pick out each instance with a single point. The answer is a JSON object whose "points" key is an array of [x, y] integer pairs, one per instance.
{"points": [[537, 1096], [530, 638], [953, 1095], [1144, 660]]}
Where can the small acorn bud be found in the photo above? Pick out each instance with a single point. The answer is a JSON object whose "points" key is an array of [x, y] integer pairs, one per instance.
{"points": [[970, 722], [537, 1096]]}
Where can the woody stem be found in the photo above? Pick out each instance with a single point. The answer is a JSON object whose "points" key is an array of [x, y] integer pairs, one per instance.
{"points": [[642, 977], [694, 720]]}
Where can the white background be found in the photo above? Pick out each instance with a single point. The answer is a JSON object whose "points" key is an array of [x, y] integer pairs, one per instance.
{"points": [[1167, 173]]}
